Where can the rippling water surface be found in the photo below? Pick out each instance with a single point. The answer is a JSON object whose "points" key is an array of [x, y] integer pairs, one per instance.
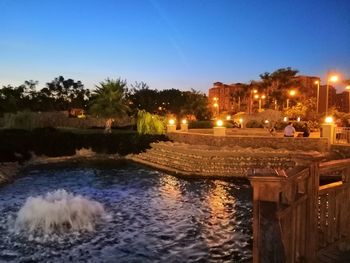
{"points": [[154, 217]]}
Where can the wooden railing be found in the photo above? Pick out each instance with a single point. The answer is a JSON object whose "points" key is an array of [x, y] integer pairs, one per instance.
{"points": [[333, 221], [342, 135], [295, 216]]}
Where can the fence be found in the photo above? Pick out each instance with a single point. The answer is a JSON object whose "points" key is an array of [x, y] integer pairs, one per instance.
{"points": [[295, 216], [342, 135]]}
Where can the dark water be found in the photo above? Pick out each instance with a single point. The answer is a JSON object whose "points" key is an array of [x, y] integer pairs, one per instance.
{"points": [[155, 218]]}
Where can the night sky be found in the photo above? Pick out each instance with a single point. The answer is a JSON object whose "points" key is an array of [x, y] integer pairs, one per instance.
{"points": [[179, 44]]}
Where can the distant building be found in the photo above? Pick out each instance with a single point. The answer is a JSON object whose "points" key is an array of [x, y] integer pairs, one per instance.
{"points": [[308, 85], [342, 101], [231, 98], [224, 98]]}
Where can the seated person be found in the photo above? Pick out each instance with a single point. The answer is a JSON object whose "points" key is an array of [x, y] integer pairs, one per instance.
{"points": [[289, 130], [306, 132]]}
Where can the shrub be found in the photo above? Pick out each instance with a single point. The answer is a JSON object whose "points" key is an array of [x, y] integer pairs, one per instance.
{"points": [[20, 120], [254, 124], [17, 145], [200, 125], [148, 123]]}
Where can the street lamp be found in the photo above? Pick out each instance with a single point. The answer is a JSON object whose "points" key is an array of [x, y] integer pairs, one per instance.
{"points": [[317, 82], [292, 94], [262, 97], [348, 89], [216, 105], [253, 91], [333, 78]]}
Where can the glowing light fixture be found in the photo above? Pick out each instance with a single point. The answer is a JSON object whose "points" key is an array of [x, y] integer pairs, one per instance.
{"points": [[184, 121], [266, 121], [256, 96], [285, 119], [329, 119], [171, 121], [240, 120], [216, 105], [333, 78], [292, 92], [298, 119], [228, 117], [219, 123]]}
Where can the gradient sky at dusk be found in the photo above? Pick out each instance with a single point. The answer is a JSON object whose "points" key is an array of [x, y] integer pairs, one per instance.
{"points": [[179, 44]]}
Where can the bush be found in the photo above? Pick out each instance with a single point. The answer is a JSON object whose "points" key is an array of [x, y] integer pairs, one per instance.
{"points": [[21, 120], [254, 124], [200, 125], [148, 123], [17, 145]]}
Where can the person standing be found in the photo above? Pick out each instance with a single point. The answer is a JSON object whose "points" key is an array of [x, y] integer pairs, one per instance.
{"points": [[289, 130]]}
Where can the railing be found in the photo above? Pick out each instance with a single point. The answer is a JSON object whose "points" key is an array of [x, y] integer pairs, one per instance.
{"points": [[295, 216], [342, 135], [334, 203]]}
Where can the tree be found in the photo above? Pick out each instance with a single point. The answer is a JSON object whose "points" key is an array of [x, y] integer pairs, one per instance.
{"points": [[109, 100], [195, 103], [148, 123], [65, 94], [141, 97], [278, 83]]}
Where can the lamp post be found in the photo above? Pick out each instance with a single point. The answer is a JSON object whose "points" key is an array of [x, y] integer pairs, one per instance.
{"points": [[333, 78], [216, 105], [253, 91], [292, 94], [259, 98], [317, 82], [348, 89]]}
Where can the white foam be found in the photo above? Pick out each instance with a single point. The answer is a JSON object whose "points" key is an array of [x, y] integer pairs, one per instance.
{"points": [[58, 212]]}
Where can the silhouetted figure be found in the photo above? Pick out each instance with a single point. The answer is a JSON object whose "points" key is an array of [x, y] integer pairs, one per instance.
{"points": [[306, 132], [289, 130]]}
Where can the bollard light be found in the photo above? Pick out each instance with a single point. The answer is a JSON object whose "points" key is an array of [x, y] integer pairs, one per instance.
{"points": [[329, 119], [219, 123]]}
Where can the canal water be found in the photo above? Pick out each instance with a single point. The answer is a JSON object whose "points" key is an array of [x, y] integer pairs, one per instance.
{"points": [[148, 216]]}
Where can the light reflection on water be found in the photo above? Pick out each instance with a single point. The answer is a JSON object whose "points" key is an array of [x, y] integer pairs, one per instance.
{"points": [[155, 217]]}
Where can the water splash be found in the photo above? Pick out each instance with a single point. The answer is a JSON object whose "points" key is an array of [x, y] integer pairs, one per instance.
{"points": [[58, 212]]}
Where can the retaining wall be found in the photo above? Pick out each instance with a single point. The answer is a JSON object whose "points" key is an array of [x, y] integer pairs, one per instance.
{"points": [[297, 143]]}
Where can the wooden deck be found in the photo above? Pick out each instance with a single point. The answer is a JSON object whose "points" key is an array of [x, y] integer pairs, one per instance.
{"points": [[333, 255]]}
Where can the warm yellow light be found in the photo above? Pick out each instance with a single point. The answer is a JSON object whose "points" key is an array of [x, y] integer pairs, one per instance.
{"points": [[228, 117], [347, 87], [255, 91], [329, 119], [216, 105], [184, 121], [263, 96], [266, 121], [240, 120], [215, 98], [317, 82], [219, 123], [292, 92], [298, 119], [256, 96], [285, 119], [171, 121], [333, 78]]}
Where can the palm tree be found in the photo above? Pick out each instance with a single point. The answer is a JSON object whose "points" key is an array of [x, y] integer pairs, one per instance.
{"points": [[108, 101]]}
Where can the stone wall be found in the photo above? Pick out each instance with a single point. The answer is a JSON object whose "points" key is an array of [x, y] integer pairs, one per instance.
{"points": [[297, 143]]}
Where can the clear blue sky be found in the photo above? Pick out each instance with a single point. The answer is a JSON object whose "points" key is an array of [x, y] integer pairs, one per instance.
{"points": [[171, 44]]}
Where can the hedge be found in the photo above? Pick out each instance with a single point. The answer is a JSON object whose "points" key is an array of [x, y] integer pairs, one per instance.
{"points": [[18, 145]]}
